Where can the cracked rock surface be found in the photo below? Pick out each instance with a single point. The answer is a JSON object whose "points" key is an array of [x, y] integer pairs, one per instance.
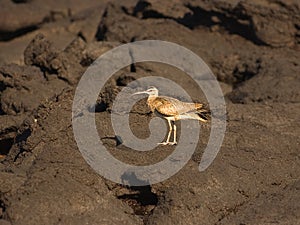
{"points": [[252, 47]]}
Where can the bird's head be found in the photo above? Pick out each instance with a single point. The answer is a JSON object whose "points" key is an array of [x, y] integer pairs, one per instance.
{"points": [[151, 91]]}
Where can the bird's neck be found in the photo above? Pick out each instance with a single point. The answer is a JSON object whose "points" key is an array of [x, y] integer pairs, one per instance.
{"points": [[151, 98], [150, 101]]}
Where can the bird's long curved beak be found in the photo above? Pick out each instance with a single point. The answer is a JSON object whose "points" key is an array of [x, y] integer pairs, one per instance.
{"points": [[140, 92]]}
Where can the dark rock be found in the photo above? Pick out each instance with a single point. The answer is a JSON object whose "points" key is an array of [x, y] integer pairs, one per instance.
{"points": [[125, 79], [25, 89], [15, 19], [66, 64], [278, 83], [40, 52], [159, 9], [252, 48], [274, 25]]}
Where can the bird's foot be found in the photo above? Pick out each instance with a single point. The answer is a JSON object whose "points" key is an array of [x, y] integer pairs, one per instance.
{"points": [[163, 143], [172, 143], [168, 143]]}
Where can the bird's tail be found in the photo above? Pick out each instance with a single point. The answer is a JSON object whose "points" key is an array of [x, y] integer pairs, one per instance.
{"points": [[204, 116], [203, 113]]}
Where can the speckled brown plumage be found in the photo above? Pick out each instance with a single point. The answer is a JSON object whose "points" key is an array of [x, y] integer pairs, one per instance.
{"points": [[168, 106], [173, 109]]}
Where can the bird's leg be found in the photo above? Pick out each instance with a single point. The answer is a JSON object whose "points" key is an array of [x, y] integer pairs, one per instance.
{"points": [[169, 134], [170, 131], [175, 133]]}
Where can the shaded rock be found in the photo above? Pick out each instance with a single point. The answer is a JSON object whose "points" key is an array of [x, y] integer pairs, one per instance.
{"points": [[86, 22], [15, 18], [274, 25], [10, 182], [240, 185], [109, 94], [66, 9], [255, 176], [276, 33], [9, 128], [233, 70], [95, 50], [40, 52], [4, 222], [44, 198], [29, 15], [269, 207], [57, 33], [125, 79], [25, 89], [271, 23], [66, 64], [167, 9], [278, 83], [117, 26]]}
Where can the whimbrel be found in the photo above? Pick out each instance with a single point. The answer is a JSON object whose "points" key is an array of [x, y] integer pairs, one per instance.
{"points": [[172, 110]]}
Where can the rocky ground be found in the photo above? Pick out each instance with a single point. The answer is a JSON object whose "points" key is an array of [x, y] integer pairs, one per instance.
{"points": [[251, 46]]}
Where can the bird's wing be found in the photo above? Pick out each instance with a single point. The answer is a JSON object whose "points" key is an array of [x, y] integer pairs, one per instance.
{"points": [[170, 106]]}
